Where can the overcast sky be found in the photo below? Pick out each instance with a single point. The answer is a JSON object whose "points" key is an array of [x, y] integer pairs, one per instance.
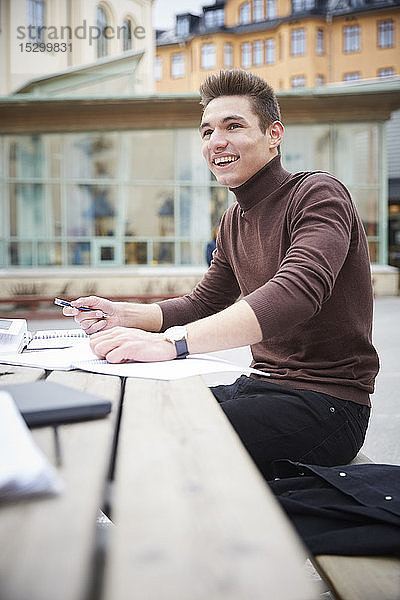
{"points": [[164, 11]]}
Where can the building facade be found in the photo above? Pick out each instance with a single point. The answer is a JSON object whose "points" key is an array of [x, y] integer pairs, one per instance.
{"points": [[291, 43], [41, 38]]}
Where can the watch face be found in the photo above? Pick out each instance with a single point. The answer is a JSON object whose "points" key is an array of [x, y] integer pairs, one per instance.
{"points": [[175, 334]]}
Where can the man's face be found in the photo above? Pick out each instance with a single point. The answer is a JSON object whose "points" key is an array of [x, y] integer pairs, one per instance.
{"points": [[234, 146]]}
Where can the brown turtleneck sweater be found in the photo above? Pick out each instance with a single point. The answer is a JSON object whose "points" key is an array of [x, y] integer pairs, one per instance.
{"points": [[294, 246]]}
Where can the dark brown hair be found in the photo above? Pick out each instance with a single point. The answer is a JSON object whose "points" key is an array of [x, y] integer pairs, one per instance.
{"points": [[237, 82]]}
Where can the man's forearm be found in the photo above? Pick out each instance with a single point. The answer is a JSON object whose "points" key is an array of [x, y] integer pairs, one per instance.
{"points": [[142, 316], [233, 327]]}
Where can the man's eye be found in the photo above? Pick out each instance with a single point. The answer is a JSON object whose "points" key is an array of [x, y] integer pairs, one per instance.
{"points": [[234, 125], [207, 132]]}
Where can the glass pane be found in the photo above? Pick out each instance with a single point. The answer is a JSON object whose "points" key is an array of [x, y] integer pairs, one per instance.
{"points": [[366, 201], [27, 210], [150, 211], [20, 254], [151, 155], [373, 251], [163, 253], [49, 253], [79, 253], [194, 212], [219, 202], [91, 210], [356, 153], [54, 156], [190, 164], [91, 156], [306, 148], [192, 253], [26, 157], [135, 253]]}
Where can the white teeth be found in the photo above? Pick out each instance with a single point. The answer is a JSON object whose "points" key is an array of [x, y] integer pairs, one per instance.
{"points": [[224, 159]]}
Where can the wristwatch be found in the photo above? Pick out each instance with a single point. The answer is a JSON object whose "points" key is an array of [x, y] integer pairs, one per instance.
{"points": [[178, 335]]}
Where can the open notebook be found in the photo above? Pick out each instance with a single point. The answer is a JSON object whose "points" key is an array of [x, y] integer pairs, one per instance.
{"points": [[15, 336], [56, 338]]}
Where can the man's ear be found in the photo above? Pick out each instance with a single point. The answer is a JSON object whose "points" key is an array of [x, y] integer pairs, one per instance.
{"points": [[275, 134]]}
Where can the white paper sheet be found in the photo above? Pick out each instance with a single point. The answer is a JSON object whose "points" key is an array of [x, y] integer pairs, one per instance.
{"points": [[24, 470], [195, 364]]}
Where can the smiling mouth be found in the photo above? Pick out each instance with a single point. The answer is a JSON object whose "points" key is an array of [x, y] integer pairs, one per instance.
{"points": [[221, 161]]}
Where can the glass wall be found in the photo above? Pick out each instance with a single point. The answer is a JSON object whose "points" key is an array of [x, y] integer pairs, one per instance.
{"points": [[351, 152], [106, 199], [147, 198]]}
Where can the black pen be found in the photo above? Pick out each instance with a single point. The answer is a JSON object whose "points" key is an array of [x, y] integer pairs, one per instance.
{"points": [[60, 302]]}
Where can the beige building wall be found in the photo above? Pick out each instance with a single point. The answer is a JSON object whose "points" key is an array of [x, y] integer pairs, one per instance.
{"points": [[18, 66]]}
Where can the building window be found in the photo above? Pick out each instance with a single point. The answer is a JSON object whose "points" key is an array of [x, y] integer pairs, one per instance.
{"points": [[258, 53], [102, 41], [270, 51], [245, 14], [246, 55], [351, 38], [351, 76], [258, 10], [36, 20], [385, 34], [214, 18], [126, 35], [228, 55], [271, 9], [178, 66], [320, 42], [182, 26], [208, 56], [302, 5], [319, 80], [388, 72], [158, 68], [298, 81], [298, 42]]}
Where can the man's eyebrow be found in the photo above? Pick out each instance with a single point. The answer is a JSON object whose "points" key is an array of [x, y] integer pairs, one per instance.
{"points": [[224, 120]]}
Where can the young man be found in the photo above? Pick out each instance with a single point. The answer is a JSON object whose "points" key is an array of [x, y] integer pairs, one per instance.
{"points": [[294, 247]]}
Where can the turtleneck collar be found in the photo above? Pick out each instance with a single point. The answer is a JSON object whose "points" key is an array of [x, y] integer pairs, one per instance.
{"points": [[261, 184]]}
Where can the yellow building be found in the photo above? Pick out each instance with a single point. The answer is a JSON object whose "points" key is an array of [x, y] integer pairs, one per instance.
{"points": [[291, 43]]}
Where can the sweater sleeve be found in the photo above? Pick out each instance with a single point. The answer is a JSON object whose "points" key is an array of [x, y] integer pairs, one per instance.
{"points": [[319, 223], [217, 290]]}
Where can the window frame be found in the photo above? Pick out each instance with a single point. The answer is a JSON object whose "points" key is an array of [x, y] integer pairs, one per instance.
{"points": [[351, 39], [298, 45], [177, 68]]}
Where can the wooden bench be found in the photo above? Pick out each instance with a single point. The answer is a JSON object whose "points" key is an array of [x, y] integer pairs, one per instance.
{"points": [[360, 577]]}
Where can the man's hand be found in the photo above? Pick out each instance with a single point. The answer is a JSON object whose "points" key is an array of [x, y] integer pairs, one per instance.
{"points": [[126, 314], [92, 321], [121, 344]]}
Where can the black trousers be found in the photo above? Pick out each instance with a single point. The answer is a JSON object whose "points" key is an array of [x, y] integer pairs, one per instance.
{"points": [[277, 422]]}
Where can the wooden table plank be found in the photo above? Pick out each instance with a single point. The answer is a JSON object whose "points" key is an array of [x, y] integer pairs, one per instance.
{"points": [[361, 577], [47, 544], [14, 374], [194, 519]]}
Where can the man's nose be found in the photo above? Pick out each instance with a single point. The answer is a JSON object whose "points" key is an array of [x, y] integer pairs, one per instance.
{"points": [[218, 139]]}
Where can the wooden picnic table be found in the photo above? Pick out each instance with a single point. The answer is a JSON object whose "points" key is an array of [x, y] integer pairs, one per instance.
{"points": [[193, 519]]}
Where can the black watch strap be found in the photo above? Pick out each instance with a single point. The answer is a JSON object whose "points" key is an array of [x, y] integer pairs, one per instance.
{"points": [[181, 348]]}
